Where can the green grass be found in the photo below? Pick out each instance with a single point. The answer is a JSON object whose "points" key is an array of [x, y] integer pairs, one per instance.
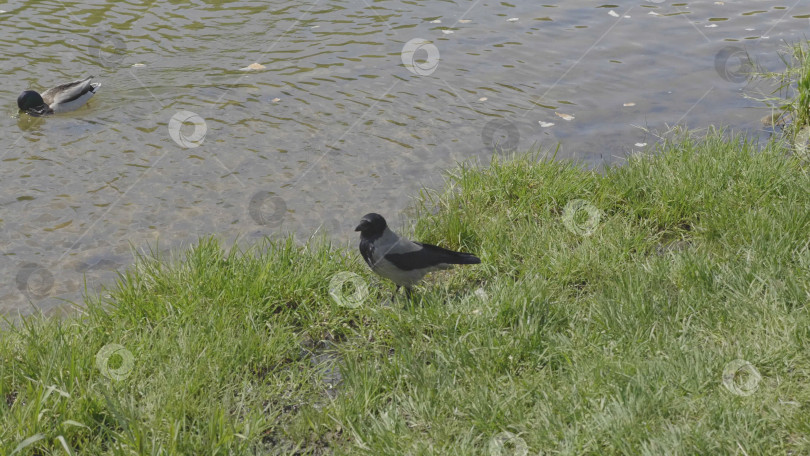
{"points": [[791, 108], [608, 338]]}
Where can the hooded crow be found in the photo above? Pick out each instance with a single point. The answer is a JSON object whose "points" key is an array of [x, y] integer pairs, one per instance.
{"points": [[402, 261]]}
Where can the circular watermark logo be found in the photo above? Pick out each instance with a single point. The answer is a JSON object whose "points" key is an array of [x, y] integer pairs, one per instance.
{"points": [[741, 377], [479, 294], [733, 64], [330, 226], [267, 209], [184, 118], [500, 135], [422, 65], [357, 293], [581, 217], [107, 47], [109, 354], [507, 443], [34, 281]]}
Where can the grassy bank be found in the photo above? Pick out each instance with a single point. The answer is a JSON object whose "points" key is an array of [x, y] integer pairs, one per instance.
{"points": [[790, 101], [658, 308]]}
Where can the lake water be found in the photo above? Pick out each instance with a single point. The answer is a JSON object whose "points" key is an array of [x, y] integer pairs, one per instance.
{"points": [[358, 105]]}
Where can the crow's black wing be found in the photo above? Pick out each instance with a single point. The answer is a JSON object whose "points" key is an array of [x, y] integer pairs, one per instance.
{"points": [[429, 256], [367, 251]]}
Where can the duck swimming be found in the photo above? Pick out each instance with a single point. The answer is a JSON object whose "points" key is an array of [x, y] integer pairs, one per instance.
{"points": [[62, 98]]}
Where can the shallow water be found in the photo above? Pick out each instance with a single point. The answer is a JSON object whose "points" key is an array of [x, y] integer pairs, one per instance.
{"points": [[339, 122]]}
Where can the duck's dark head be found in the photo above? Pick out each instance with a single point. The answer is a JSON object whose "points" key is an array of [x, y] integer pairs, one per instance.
{"points": [[371, 225], [31, 102]]}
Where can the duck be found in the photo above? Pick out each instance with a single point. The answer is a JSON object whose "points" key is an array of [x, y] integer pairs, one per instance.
{"points": [[62, 98]]}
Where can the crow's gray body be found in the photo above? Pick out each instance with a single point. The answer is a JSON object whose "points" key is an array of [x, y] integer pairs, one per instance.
{"points": [[400, 260]]}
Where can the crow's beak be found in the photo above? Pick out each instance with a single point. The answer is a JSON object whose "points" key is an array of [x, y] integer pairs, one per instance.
{"points": [[363, 224]]}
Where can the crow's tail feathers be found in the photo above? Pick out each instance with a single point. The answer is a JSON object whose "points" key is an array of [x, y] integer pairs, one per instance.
{"points": [[433, 255]]}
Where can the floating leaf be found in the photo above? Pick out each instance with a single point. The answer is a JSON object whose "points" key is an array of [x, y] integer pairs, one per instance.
{"points": [[567, 117], [641, 144], [482, 99], [513, 19], [253, 66], [629, 104], [436, 21], [464, 21], [447, 32], [276, 100], [613, 13], [545, 124]]}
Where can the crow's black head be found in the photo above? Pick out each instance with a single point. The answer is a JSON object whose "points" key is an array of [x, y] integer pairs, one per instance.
{"points": [[31, 102], [371, 225]]}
